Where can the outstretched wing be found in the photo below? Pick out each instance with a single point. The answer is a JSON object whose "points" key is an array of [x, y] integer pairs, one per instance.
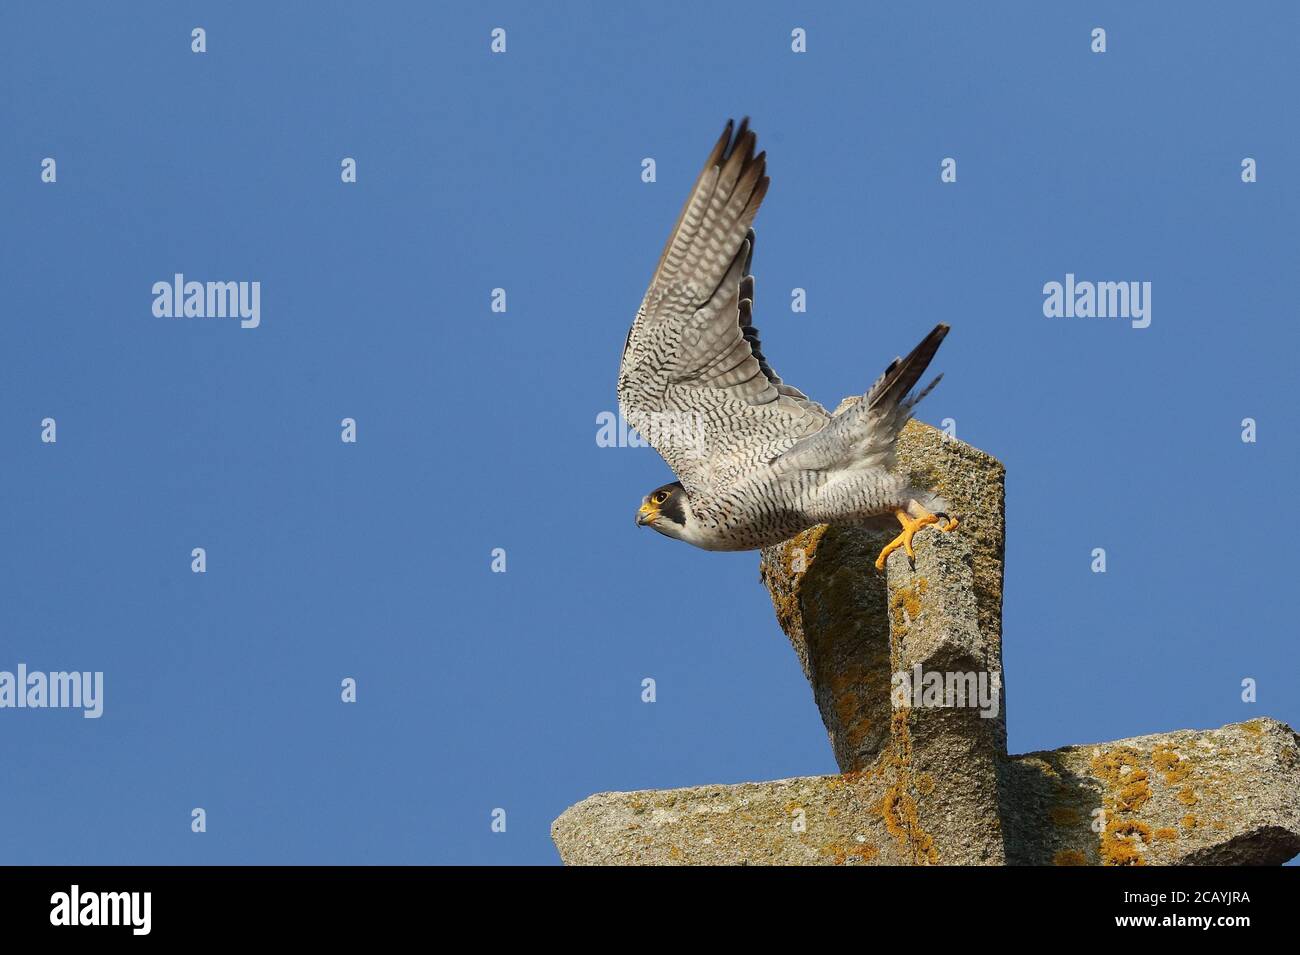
{"points": [[694, 380]]}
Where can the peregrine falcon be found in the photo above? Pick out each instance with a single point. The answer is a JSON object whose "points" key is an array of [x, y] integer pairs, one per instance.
{"points": [[757, 460]]}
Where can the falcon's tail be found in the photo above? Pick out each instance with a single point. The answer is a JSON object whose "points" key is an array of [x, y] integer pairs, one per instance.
{"points": [[891, 388], [863, 434]]}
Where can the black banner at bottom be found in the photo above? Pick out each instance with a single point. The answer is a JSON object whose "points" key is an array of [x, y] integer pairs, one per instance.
{"points": [[337, 904]]}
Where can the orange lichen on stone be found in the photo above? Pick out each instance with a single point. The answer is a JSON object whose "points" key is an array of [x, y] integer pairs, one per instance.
{"points": [[899, 754], [837, 851], [1166, 834], [786, 607], [1174, 767], [1135, 793], [1069, 857], [1128, 790], [1253, 726], [841, 853], [1111, 766], [785, 591], [897, 807], [904, 823], [1187, 796], [857, 732], [925, 784], [905, 605], [1065, 815], [1189, 821], [1121, 840], [846, 702]]}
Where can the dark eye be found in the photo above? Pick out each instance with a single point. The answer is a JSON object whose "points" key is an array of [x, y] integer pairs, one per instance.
{"points": [[660, 497]]}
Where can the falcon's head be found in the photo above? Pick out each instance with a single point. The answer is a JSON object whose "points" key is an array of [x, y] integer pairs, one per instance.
{"points": [[666, 510]]}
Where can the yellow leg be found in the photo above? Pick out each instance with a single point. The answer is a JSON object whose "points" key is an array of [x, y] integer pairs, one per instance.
{"points": [[910, 526]]}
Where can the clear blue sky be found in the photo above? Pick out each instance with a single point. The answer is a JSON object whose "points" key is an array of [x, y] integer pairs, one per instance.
{"points": [[477, 430]]}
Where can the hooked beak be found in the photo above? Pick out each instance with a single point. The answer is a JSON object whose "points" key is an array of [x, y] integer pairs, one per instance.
{"points": [[646, 514]]}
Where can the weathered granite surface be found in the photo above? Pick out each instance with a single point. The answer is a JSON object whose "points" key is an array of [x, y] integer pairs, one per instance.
{"points": [[831, 601], [1225, 796], [933, 784], [1229, 796]]}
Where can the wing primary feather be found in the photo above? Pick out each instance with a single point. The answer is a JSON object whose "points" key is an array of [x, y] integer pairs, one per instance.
{"points": [[715, 157]]}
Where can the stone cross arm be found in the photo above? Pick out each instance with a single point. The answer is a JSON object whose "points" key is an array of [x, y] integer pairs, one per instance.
{"points": [[1225, 796]]}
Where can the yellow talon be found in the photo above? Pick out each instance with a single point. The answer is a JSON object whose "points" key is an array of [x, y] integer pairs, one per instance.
{"points": [[910, 527]]}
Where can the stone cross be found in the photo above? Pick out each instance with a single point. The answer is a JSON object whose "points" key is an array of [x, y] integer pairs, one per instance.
{"points": [[925, 774]]}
